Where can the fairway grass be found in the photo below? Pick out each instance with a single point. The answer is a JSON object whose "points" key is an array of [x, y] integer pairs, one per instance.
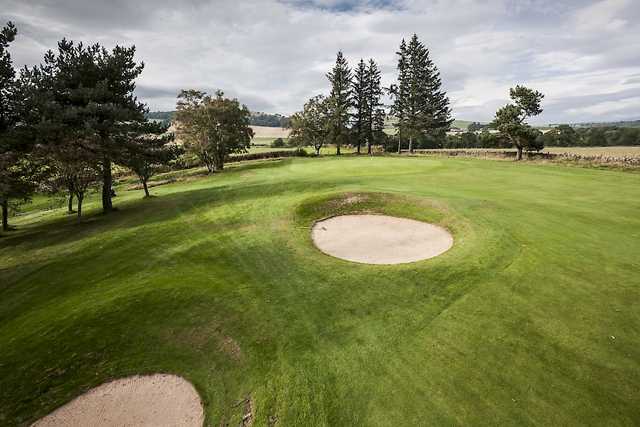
{"points": [[531, 318]]}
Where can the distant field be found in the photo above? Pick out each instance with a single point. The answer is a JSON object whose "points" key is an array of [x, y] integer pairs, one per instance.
{"points": [[268, 149], [263, 141], [461, 124], [269, 132], [597, 151]]}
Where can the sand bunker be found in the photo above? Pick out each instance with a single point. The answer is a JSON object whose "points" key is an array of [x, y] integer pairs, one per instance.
{"points": [[152, 400], [380, 239]]}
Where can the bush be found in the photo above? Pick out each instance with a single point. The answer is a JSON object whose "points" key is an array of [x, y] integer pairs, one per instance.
{"points": [[277, 143]]}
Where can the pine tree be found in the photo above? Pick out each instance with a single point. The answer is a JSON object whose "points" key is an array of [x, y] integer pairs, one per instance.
{"points": [[150, 149], [420, 105], [511, 119], [20, 169], [7, 120], [375, 113], [340, 100], [361, 115], [94, 89], [399, 93]]}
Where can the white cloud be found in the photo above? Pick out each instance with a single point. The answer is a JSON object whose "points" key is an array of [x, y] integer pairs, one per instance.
{"points": [[606, 15], [273, 54]]}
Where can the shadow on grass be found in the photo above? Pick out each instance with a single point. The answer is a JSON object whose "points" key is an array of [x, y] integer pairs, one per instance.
{"points": [[131, 213]]}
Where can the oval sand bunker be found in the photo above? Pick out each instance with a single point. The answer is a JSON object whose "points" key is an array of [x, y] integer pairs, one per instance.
{"points": [[380, 239], [150, 400]]}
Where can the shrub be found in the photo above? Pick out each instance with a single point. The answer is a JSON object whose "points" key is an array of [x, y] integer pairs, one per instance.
{"points": [[277, 143]]}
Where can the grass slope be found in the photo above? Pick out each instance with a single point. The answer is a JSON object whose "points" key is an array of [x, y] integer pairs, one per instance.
{"points": [[532, 318]]}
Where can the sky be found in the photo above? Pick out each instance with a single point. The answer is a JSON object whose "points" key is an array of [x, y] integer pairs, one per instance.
{"points": [[273, 54]]}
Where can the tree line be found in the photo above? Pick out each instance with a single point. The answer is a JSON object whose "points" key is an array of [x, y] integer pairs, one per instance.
{"points": [[65, 124], [256, 118], [558, 136], [354, 113]]}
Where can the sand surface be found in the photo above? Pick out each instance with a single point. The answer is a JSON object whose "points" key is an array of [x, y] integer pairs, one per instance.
{"points": [[151, 400], [380, 239]]}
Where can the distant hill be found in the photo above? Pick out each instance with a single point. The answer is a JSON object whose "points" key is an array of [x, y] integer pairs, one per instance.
{"points": [[257, 118], [461, 124]]}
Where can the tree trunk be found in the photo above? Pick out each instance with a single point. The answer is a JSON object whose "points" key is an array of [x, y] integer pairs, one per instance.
{"points": [[368, 146], [399, 144], [519, 153], [358, 149], [318, 151], [107, 181], [70, 205], [5, 215], [144, 185], [338, 149], [410, 145], [80, 197]]}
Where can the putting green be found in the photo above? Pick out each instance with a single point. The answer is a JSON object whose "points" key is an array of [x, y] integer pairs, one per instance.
{"points": [[531, 318]]}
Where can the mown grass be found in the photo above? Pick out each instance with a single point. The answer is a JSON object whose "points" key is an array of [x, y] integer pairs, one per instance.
{"points": [[532, 318]]}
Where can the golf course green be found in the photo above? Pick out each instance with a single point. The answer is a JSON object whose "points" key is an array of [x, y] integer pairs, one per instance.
{"points": [[531, 318]]}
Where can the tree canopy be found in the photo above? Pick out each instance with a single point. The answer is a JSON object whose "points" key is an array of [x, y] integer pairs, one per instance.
{"points": [[510, 120], [212, 127], [311, 126], [419, 103], [340, 101]]}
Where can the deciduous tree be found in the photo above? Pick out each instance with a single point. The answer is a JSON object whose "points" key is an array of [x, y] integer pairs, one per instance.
{"points": [[212, 127], [312, 125]]}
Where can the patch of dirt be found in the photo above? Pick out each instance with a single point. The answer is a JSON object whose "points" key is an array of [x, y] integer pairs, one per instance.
{"points": [[348, 199], [351, 200], [150, 400], [231, 347], [380, 239], [203, 337]]}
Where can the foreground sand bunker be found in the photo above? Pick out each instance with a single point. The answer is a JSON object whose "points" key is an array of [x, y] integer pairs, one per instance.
{"points": [[152, 400], [380, 239]]}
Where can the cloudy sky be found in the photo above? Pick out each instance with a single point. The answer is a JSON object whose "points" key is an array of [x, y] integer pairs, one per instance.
{"points": [[273, 54]]}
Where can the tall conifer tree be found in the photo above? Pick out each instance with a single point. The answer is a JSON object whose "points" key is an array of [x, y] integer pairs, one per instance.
{"points": [[399, 93], [375, 112], [420, 105], [361, 115], [340, 101], [20, 172]]}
